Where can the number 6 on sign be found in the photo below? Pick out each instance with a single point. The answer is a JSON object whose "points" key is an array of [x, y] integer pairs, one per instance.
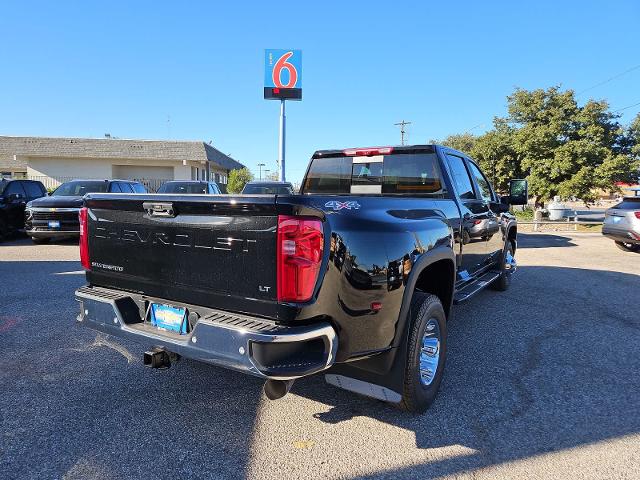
{"points": [[282, 64], [283, 74]]}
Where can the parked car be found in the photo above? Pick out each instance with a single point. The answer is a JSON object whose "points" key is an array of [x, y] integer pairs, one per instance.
{"points": [[272, 188], [14, 195], [622, 224], [190, 187], [56, 216], [356, 276]]}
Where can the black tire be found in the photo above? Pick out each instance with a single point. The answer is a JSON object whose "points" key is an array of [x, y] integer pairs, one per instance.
{"points": [[628, 247], [416, 396], [503, 282], [4, 230], [40, 241]]}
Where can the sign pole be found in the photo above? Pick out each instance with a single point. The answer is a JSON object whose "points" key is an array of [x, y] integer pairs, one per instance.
{"points": [[282, 81], [282, 140]]}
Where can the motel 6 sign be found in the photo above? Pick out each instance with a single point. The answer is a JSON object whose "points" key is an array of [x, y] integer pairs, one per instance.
{"points": [[282, 74]]}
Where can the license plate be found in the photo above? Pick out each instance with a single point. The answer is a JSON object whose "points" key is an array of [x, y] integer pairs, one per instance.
{"points": [[54, 224], [166, 317]]}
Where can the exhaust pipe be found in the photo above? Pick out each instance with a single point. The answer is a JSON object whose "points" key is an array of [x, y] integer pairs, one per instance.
{"points": [[275, 389], [159, 358]]}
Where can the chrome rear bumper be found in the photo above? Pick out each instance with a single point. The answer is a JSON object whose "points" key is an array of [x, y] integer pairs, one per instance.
{"points": [[238, 342]]}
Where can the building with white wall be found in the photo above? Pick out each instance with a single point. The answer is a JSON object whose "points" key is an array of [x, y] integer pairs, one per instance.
{"points": [[55, 160]]}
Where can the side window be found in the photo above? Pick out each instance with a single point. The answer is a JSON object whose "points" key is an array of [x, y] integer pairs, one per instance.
{"points": [[33, 189], [460, 177], [139, 188], [13, 188], [485, 187], [114, 188], [126, 187]]}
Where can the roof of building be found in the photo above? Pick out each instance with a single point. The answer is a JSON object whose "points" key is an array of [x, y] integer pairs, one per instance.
{"points": [[12, 148]]}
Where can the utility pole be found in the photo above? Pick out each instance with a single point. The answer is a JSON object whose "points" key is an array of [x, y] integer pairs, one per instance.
{"points": [[261, 165], [402, 124]]}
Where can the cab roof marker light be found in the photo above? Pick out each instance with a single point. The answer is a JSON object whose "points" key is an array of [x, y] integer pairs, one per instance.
{"points": [[367, 152]]}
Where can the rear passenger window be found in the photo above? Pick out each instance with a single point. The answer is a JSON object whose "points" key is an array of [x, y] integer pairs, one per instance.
{"points": [[126, 187], [115, 188], [460, 177], [139, 188]]}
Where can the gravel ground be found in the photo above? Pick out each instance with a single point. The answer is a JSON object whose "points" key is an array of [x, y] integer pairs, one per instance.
{"points": [[541, 382]]}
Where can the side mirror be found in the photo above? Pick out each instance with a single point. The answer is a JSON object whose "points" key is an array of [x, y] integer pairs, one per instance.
{"points": [[518, 192]]}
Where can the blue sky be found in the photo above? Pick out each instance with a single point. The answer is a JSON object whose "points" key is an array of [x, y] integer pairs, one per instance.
{"points": [[75, 69]]}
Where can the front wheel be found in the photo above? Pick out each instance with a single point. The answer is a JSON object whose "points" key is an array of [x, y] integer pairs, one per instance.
{"points": [[628, 247], [426, 353]]}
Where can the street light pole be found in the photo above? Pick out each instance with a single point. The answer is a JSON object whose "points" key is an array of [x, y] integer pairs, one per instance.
{"points": [[260, 165]]}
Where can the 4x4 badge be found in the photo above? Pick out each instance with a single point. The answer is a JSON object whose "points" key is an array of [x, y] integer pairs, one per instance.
{"points": [[340, 205]]}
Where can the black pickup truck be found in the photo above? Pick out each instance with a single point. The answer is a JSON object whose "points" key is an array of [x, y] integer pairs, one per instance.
{"points": [[355, 276]]}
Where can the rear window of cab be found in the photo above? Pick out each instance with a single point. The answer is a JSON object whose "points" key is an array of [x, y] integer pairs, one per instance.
{"points": [[403, 173]]}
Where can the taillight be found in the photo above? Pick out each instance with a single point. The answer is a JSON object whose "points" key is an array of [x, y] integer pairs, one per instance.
{"points": [[637, 214], [300, 244], [367, 152], [84, 238]]}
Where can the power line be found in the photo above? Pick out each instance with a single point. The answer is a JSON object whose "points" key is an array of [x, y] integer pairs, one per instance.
{"points": [[609, 79], [624, 108], [469, 130]]}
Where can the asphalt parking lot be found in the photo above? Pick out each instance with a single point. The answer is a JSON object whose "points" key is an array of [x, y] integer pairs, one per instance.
{"points": [[541, 382]]}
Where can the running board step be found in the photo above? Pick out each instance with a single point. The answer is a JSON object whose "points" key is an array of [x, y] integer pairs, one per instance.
{"points": [[363, 388], [468, 291]]}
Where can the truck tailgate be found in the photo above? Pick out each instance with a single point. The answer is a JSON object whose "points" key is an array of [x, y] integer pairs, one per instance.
{"points": [[216, 251]]}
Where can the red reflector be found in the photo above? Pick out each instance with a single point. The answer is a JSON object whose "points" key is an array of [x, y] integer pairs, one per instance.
{"points": [[376, 306], [84, 238], [275, 91], [637, 214], [367, 152], [300, 244]]}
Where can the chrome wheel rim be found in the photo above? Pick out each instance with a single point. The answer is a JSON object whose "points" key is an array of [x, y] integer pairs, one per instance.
{"points": [[430, 352]]}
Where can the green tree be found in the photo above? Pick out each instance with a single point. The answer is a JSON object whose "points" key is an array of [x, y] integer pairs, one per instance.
{"points": [[238, 179], [632, 139], [565, 149], [497, 155], [462, 142]]}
